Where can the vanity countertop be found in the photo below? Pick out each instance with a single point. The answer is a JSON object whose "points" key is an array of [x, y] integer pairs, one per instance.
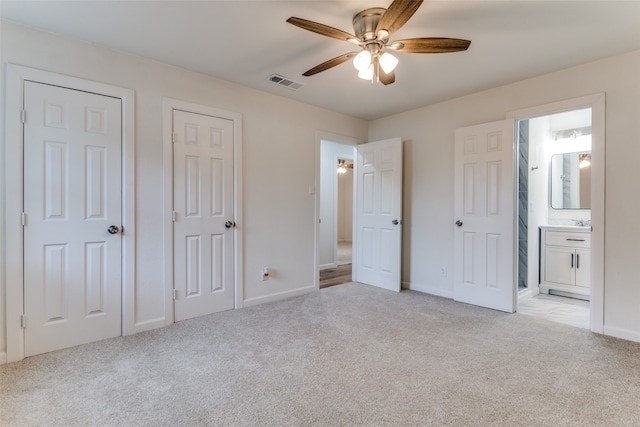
{"points": [[567, 227]]}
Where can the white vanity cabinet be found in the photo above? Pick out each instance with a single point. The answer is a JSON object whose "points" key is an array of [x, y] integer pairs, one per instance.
{"points": [[565, 260]]}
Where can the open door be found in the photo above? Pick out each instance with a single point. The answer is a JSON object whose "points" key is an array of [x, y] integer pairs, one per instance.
{"points": [[378, 216], [484, 216]]}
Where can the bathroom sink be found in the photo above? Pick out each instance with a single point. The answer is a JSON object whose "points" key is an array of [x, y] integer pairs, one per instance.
{"points": [[569, 227]]}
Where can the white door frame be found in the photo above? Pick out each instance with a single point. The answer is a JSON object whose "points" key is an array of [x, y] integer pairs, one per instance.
{"points": [[340, 139], [597, 103], [13, 163], [168, 105]]}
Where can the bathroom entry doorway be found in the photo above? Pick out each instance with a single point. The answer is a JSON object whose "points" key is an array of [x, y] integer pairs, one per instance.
{"points": [[560, 163]]}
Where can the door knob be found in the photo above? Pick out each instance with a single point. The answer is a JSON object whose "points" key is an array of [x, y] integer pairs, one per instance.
{"points": [[113, 229], [229, 224], [395, 222], [459, 223]]}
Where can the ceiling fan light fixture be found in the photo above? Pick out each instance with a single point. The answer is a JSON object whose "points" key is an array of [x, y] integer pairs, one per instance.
{"points": [[372, 28], [388, 62], [362, 61], [367, 73], [383, 35]]}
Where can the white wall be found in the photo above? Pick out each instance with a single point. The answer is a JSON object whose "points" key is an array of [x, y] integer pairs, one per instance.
{"points": [[279, 162], [428, 133], [345, 206]]}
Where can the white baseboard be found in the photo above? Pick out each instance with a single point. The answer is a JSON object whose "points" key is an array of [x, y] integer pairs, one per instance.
{"points": [[328, 266], [530, 292], [3, 358], [625, 334], [428, 289], [278, 296]]}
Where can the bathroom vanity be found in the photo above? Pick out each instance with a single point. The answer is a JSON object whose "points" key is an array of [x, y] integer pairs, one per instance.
{"points": [[565, 260]]}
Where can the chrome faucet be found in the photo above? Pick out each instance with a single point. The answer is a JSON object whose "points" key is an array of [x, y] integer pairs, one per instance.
{"points": [[582, 222]]}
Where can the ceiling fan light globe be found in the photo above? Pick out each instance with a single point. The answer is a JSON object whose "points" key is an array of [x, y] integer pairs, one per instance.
{"points": [[383, 35], [388, 62], [362, 61], [367, 73]]}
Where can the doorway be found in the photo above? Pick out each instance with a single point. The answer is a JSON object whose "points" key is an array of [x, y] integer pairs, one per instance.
{"points": [[560, 192], [377, 211], [336, 213]]}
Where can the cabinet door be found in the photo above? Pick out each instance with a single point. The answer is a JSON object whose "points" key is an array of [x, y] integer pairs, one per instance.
{"points": [[558, 268], [583, 268]]}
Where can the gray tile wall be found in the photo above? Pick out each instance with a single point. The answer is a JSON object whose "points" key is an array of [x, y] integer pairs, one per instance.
{"points": [[523, 202]]}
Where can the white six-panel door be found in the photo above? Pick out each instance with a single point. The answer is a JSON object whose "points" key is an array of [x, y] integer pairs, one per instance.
{"points": [[484, 216], [378, 219], [72, 195], [203, 211]]}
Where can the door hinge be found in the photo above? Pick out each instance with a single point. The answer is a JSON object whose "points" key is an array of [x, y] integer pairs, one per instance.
{"points": [[173, 138], [175, 294], [174, 215], [23, 321], [23, 219], [23, 116]]}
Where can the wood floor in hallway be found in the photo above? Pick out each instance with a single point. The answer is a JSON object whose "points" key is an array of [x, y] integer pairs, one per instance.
{"points": [[335, 276]]}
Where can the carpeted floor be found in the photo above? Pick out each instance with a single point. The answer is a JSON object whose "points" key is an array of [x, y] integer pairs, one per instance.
{"points": [[348, 355]]}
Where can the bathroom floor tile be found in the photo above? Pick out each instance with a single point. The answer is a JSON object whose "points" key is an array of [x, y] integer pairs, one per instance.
{"points": [[559, 309]]}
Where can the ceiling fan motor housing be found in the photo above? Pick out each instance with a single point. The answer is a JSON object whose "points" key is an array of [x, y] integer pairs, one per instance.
{"points": [[366, 22]]}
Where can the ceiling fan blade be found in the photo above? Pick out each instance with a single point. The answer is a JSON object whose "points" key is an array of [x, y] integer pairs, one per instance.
{"points": [[321, 29], [398, 13], [330, 64], [430, 45], [387, 79]]}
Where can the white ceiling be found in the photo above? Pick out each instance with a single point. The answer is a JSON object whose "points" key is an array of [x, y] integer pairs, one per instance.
{"points": [[246, 41]]}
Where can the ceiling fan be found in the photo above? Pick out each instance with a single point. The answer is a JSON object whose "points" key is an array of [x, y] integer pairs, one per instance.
{"points": [[372, 28]]}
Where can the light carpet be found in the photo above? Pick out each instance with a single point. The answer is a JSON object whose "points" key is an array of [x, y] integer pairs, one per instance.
{"points": [[347, 355]]}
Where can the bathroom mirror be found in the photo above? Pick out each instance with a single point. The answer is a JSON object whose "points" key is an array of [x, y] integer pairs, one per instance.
{"points": [[570, 180]]}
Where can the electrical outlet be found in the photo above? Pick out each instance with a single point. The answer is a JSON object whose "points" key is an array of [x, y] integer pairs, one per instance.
{"points": [[443, 271]]}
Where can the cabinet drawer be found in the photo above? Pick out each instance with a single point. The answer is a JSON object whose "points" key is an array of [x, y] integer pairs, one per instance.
{"points": [[566, 238]]}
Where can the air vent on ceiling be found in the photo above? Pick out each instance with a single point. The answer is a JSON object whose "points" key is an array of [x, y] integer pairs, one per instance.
{"points": [[283, 81]]}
